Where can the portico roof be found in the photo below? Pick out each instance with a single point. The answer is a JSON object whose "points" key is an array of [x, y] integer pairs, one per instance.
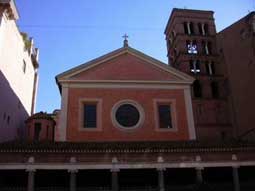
{"points": [[121, 147]]}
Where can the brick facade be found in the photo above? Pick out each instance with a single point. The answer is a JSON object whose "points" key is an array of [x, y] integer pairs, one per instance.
{"points": [[126, 74]]}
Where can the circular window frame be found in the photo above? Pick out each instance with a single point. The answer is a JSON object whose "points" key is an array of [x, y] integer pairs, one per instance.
{"points": [[133, 103]]}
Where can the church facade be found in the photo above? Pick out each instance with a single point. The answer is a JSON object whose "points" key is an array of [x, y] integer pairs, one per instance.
{"points": [[125, 96]]}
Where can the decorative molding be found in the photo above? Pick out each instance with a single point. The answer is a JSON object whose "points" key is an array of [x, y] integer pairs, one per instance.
{"points": [[126, 85], [159, 82]]}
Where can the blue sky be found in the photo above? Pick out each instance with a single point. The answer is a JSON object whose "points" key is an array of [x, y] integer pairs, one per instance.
{"points": [[69, 33]]}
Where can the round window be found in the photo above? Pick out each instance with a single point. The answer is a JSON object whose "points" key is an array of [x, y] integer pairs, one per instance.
{"points": [[127, 114]]}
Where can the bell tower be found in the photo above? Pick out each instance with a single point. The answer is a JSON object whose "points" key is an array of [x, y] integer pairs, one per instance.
{"points": [[191, 48]]}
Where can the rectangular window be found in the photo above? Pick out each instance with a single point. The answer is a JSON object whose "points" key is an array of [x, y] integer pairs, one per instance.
{"points": [[165, 119], [192, 47], [197, 89], [188, 28], [200, 28], [215, 89], [205, 29], [8, 120], [210, 68], [191, 27], [90, 115], [24, 67], [37, 131], [47, 132], [207, 47], [185, 26], [195, 66]]}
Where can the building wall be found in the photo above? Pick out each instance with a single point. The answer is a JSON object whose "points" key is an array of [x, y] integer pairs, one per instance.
{"points": [[109, 97], [17, 86], [47, 129], [236, 46]]}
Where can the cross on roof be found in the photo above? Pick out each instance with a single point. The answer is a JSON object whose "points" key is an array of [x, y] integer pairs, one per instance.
{"points": [[125, 36]]}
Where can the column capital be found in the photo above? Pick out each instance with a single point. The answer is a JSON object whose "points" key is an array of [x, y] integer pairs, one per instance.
{"points": [[235, 166], [234, 157], [72, 170], [73, 160], [160, 159], [31, 159], [161, 169], [198, 158], [114, 169], [114, 160], [199, 168], [30, 170]]}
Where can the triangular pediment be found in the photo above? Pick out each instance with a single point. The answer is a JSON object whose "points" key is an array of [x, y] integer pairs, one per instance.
{"points": [[125, 64]]}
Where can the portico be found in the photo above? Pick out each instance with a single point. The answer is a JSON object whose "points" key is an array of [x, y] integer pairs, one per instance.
{"points": [[120, 166]]}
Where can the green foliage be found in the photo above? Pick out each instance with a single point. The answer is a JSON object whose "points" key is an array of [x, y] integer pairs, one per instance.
{"points": [[27, 42]]}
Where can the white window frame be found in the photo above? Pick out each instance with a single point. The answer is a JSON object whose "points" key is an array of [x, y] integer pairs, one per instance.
{"points": [[172, 104], [133, 103], [98, 102]]}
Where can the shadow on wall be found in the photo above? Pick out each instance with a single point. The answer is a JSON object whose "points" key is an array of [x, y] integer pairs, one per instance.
{"points": [[12, 113]]}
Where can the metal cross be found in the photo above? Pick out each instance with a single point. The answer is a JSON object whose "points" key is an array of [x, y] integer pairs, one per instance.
{"points": [[125, 36]]}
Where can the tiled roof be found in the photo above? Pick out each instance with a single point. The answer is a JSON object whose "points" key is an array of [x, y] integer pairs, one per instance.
{"points": [[40, 115], [129, 147]]}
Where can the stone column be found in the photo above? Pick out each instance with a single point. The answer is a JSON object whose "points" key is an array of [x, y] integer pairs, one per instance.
{"points": [[115, 181], [206, 48], [236, 178], [31, 179], [72, 183], [161, 181], [188, 26], [199, 176], [203, 28]]}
